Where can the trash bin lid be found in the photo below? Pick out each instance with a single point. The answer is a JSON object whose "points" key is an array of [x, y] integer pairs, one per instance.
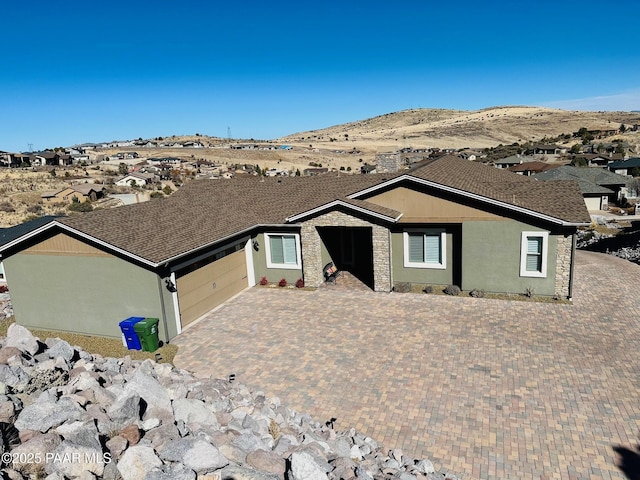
{"points": [[131, 321]]}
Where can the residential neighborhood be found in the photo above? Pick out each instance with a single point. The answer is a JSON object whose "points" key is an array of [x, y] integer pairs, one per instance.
{"points": [[203, 240]]}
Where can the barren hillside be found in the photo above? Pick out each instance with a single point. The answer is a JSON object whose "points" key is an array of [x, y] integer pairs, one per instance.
{"points": [[458, 128]]}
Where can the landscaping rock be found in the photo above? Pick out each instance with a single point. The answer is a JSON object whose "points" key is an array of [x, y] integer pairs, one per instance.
{"points": [[304, 467], [43, 416], [156, 422], [137, 462], [194, 412], [22, 339]]}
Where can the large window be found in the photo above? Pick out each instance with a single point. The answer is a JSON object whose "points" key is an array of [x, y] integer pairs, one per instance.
{"points": [[533, 254], [425, 248], [283, 250]]}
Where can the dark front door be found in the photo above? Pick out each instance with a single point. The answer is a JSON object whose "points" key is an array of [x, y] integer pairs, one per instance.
{"points": [[351, 250]]}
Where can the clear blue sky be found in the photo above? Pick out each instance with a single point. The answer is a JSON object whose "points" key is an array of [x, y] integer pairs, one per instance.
{"points": [[74, 72]]}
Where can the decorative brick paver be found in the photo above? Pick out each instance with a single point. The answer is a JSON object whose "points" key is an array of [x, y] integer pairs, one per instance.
{"points": [[492, 389]]}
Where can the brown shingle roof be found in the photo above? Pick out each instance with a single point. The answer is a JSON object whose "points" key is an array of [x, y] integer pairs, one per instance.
{"points": [[562, 200], [206, 211]]}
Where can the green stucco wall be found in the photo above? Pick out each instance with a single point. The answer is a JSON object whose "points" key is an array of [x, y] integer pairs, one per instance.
{"points": [[491, 258], [274, 275], [85, 294], [434, 276]]}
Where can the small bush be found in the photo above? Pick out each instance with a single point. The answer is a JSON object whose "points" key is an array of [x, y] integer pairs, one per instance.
{"points": [[428, 289], [282, 282], [475, 293], [156, 195], [529, 292], [7, 207], [34, 209], [80, 207], [264, 281], [300, 283], [4, 289], [402, 287], [452, 290]]}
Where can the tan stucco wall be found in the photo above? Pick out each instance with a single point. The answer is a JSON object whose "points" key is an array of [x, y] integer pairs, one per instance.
{"points": [[420, 207]]}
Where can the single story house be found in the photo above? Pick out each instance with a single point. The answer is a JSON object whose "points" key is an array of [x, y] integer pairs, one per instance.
{"points": [[138, 178], [624, 167], [447, 221], [599, 186], [82, 192], [530, 168]]}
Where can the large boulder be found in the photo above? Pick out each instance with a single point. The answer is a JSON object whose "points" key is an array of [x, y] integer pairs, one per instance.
{"points": [[137, 462], [22, 339]]}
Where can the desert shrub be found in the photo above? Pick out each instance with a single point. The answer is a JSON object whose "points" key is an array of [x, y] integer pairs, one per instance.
{"points": [[80, 207], [264, 281], [452, 290], [30, 217], [156, 195], [428, 289], [402, 287], [283, 282], [476, 293], [300, 283], [34, 208], [7, 207], [529, 292], [167, 190]]}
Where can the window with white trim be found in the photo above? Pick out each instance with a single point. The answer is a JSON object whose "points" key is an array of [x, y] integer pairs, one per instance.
{"points": [[425, 248], [533, 254], [283, 250]]}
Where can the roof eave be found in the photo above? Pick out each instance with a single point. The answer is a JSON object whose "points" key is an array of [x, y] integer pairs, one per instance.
{"points": [[474, 196], [67, 228]]}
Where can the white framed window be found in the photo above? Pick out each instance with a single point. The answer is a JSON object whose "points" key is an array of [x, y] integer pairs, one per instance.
{"points": [[425, 248], [283, 250], [533, 254]]}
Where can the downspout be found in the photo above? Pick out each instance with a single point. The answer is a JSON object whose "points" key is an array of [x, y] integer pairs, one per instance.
{"points": [[164, 313], [572, 266]]}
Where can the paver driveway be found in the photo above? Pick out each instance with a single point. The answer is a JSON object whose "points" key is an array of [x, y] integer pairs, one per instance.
{"points": [[484, 388]]}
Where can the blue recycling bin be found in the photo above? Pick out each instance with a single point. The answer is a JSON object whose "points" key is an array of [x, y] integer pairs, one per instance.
{"points": [[129, 334]]}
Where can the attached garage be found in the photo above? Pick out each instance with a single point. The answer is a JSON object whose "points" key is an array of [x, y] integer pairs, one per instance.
{"points": [[205, 285]]}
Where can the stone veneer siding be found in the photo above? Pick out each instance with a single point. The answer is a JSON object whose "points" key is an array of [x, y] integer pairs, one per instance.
{"points": [[563, 265], [311, 242], [388, 162]]}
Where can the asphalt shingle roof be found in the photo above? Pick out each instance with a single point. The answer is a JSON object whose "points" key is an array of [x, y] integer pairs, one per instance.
{"points": [[203, 212]]}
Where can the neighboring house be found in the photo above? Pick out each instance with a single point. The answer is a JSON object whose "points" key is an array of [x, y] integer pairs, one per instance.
{"points": [[447, 221], [82, 192], [543, 149], [599, 187], [510, 161], [530, 168], [137, 178], [623, 167]]}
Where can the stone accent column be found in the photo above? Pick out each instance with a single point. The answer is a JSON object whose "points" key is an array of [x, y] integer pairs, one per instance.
{"points": [[311, 258], [563, 265], [388, 162]]}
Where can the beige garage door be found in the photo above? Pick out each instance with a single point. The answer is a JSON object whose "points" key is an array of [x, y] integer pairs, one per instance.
{"points": [[209, 286]]}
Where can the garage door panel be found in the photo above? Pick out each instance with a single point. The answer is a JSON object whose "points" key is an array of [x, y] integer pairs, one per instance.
{"points": [[204, 289]]}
